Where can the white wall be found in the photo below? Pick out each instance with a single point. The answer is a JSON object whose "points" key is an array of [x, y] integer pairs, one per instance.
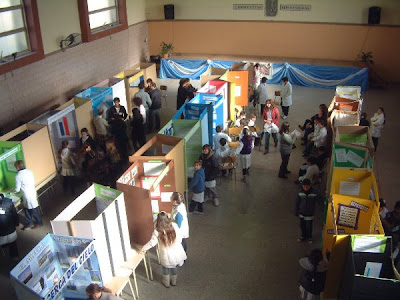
{"points": [[136, 11], [331, 11]]}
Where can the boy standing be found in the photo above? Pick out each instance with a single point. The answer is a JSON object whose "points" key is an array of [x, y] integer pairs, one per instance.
{"points": [[197, 185], [305, 207]]}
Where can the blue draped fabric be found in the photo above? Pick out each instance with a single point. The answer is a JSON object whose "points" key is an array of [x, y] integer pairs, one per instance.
{"points": [[320, 76], [303, 75], [190, 68]]}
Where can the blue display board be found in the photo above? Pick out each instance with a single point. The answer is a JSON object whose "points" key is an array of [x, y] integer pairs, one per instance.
{"points": [[59, 267], [102, 97], [217, 103], [202, 112]]}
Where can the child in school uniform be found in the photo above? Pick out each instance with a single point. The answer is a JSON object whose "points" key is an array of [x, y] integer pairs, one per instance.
{"points": [[179, 216], [197, 186], [242, 116], [244, 150], [305, 207]]}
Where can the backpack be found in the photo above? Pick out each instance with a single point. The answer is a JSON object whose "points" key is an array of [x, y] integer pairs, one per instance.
{"points": [[312, 281]]}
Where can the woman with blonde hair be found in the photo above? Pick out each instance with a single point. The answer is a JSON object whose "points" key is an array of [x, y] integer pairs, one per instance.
{"points": [[168, 237], [115, 162]]}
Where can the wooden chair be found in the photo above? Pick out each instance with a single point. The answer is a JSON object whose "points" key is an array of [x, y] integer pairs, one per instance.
{"points": [[228, 164], [132, 263], [277, 94], [234, 132], [163, 89]]}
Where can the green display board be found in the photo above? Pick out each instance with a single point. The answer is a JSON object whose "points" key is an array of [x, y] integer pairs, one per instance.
{"points": [[106, 192], [9, 153], [356, 139], [190, 131], [346, 156]]}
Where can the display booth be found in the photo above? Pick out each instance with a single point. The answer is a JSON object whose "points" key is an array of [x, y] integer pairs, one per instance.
{"points": [[147, 185], [361, 267], [344, 118], [63, 126], [99, 213], [149, 71], [9, 153], [349, 92], [102, 97], [132, 77], [350, 215], [218, 108], [219, 87], [241, 88], [37, 151], [117, 86], [162, 147], [350, 156], [58, 267], [345, 104], [202, 112], [83, 111], [355, 135], [190, 131]]}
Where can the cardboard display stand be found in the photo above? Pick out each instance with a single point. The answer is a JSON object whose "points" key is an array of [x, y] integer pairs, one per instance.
{"points": [[344, 118], [241, 80], [118, 89], [9, 153], [345, 104], [99, 213], [62, 126], [162, 147], [102, 97], [361, 267], [355, 135], [83, 111], [58, 267], [349, 92], [350, 156], [149, 71], [350, 215], [218, 112], [147, 185], [132, 77], [36, 147], [202, 112], [190, 131], [219, 87]]}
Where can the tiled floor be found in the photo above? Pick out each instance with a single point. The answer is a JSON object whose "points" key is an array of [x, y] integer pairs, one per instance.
{"points": [[246, 248]]}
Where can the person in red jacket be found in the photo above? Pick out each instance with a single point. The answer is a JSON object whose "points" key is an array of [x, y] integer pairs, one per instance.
{"points": [[271, 124]]}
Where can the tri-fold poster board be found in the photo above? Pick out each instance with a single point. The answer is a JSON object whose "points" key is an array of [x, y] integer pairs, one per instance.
{"points": [[58, 267], [132, 77], [117, 86], [102, 97], [191, 132], [241, 88], [351, 156], [355, 135], [147, 185], [32, 137], [218, 112], [202, 112], [99, 213], [10, 152]]}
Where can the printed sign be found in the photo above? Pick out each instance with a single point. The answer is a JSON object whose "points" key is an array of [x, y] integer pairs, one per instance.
{"points": [[295, 7], [248, 7], [348, 216]]}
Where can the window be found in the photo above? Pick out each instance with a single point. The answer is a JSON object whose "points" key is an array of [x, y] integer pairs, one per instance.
{"points": [[100, 18], [20, 38]]}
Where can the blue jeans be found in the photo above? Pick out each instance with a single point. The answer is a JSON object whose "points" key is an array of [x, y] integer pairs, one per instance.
{"points": [[165, 271], [31, 214], [274, 136]]}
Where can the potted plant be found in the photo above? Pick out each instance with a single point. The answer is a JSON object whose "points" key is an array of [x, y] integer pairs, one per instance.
{"points": [[366, 58], [166, 49]]}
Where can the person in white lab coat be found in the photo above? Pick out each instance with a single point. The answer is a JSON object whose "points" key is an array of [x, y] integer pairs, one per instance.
{"points": [[25, 182], [218, 136], [377, 124], [286, 95], [262, 94]]}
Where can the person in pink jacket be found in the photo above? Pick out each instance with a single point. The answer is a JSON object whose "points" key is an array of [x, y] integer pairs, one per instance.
{"points": [[271, 124]]}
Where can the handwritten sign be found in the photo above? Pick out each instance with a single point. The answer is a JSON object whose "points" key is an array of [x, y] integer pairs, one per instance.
{"points": [[348, 216]]}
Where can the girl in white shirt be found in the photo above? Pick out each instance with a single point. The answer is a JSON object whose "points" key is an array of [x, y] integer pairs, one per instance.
{"points": [[377, 124]]}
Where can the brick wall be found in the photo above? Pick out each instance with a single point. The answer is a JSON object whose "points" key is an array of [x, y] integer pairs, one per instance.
{"points": [[29, 91]]}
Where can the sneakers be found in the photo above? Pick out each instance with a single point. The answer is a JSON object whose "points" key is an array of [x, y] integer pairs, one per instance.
{"points": [[216, 201], [284, 117], [300, 239]]}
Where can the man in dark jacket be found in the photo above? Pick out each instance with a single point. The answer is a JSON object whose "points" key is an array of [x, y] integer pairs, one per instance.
{"points": [[154, 111], [8, 223], [305, 207], [211, 169], [117, 111]]}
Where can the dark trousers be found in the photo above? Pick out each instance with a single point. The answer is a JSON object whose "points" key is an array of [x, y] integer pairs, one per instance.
{"points": [[262, 107], [306, 228], [375, 141], [245, 171], [193, 205], [274, 136], [69, 184], [138, 141], [32, 215], [154, 113], [285, 110], [13, 249], [184, 244], [307, 132], [285, 161]]}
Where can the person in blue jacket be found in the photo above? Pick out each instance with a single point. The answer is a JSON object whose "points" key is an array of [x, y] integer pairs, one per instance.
{"points": [[197, 186]]}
